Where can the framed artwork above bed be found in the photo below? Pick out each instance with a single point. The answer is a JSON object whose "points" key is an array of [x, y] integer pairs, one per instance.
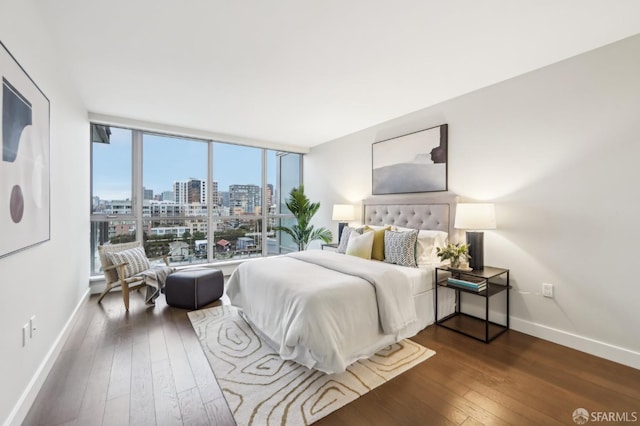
{"points": [[416, 162]]}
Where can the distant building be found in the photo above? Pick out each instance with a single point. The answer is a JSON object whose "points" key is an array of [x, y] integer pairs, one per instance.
{"points": [[167, 196], [180, 192], [195, 209], [222, 211], [215, 196], [195, 191], [245, 244], [177, 231], [246, 197], [101, 206], [165, 209], [224, 198], [122, 228], [147, 194], [119, 207], [270, 198]]}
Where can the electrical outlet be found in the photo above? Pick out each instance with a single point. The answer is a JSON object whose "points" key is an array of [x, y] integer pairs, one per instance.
{"points": [[25, 334], [32, 326], [547, 290]]}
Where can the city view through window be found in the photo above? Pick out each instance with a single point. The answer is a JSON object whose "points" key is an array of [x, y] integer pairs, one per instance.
{"points": [[195, 201]]}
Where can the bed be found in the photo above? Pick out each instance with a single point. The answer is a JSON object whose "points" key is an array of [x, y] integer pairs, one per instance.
{"points": [[326, 310]]}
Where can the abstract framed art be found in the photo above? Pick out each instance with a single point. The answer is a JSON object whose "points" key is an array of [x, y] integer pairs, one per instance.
{"points": [[416, 162], [24, 167]]}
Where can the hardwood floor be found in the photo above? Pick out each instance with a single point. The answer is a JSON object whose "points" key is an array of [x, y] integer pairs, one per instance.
{"points": [[147, 368]]}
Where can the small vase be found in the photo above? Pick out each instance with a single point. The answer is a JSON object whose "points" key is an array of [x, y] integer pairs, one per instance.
{"points": [[455, 263]]}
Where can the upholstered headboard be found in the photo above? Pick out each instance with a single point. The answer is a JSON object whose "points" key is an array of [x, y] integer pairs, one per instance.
{"points": [[421, 211]]}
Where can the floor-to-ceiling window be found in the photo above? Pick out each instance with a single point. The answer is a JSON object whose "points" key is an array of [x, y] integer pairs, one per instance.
{"points": [[194, 200], [237, 173], [284, 173], [112, 216], [174, 197]]}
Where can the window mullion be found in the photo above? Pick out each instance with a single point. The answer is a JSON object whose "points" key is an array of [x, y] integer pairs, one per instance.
{"points": [[210, 224], [265, 208], [137, 192]]}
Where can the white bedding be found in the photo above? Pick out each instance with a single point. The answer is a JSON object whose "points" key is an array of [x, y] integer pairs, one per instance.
{"points": [[322, 318], [420, 278]]}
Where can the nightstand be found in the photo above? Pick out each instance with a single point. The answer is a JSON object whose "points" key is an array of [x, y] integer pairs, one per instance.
{"points": [[330, 247], [497, 284]]}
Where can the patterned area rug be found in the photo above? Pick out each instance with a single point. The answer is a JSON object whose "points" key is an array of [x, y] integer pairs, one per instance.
{"points": [[263, 389]]}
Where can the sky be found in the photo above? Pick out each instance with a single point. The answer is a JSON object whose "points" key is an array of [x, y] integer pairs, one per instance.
{"points": [[168, 159]]}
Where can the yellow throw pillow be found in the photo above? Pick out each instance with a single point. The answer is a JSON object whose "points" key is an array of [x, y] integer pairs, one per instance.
{"points": [[377, 251]]}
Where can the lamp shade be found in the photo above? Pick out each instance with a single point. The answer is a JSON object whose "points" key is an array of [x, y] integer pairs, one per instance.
{"points": [[475, 216], [343, 212]]}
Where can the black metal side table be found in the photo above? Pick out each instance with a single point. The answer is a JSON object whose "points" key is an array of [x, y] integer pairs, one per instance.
{"points": [[497, 281]]}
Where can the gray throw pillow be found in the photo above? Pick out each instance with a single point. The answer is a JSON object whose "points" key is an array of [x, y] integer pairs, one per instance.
{"points": [[400, 248]]}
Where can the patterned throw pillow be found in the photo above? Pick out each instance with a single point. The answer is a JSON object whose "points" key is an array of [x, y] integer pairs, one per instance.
{"points": [[400, 248], [344, 238], [135, 259]]}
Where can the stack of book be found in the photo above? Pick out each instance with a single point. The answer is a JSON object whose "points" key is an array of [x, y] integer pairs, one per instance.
{"points": [[469, 283]]}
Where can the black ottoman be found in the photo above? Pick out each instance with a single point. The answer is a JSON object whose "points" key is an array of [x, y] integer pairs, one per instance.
{"points": [[194, 288]]}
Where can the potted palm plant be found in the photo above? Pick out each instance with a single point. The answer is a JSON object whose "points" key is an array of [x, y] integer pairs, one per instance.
{"points": [[303, 209]]}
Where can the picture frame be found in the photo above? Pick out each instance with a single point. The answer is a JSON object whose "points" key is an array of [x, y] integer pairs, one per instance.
{"points": [[415, 162], [25, 162]]}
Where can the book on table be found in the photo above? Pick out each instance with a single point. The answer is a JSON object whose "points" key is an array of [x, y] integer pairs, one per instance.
{"points": [[471, 283]]}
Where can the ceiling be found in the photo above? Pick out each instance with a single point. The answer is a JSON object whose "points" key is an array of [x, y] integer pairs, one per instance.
{"points": [[302, 73]]}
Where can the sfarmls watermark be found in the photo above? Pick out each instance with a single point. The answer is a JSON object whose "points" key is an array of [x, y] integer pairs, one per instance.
{"points": [[582, 416]]}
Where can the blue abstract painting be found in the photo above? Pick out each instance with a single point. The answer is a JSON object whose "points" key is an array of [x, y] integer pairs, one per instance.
{"points": [[24, 167]]}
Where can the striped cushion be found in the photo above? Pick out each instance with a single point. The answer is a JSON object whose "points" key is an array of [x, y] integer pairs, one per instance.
{"points": [[400, 248], [135, 259]]}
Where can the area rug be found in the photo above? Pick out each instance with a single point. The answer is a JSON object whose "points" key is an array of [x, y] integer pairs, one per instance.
{"points": [[263, 389]]}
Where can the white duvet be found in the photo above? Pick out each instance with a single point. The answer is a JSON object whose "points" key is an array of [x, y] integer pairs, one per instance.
{"points": [[322, 309]]}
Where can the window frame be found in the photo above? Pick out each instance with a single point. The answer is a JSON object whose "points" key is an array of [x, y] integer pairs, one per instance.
{"points": [[137, 194]]}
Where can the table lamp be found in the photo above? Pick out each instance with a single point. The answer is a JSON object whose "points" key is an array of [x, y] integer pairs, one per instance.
{"points": [[475, 217], [342, 213]]}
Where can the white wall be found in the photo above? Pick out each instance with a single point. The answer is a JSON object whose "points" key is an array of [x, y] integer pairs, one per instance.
{"points": [[557, 150], [48, 280]]}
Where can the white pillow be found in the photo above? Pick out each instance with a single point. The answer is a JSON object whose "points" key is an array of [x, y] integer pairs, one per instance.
{"points": [[428, 241], [360, 245]]}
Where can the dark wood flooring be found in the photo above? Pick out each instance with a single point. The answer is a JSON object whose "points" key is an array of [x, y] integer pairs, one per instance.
{"points": [[147, 368]]}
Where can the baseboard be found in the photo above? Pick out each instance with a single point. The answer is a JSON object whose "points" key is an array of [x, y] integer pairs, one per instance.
{"points": [[581, 343], [21, 409]]}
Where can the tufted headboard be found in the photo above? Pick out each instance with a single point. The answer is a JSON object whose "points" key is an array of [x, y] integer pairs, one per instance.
{"points": [[421, 211]]}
